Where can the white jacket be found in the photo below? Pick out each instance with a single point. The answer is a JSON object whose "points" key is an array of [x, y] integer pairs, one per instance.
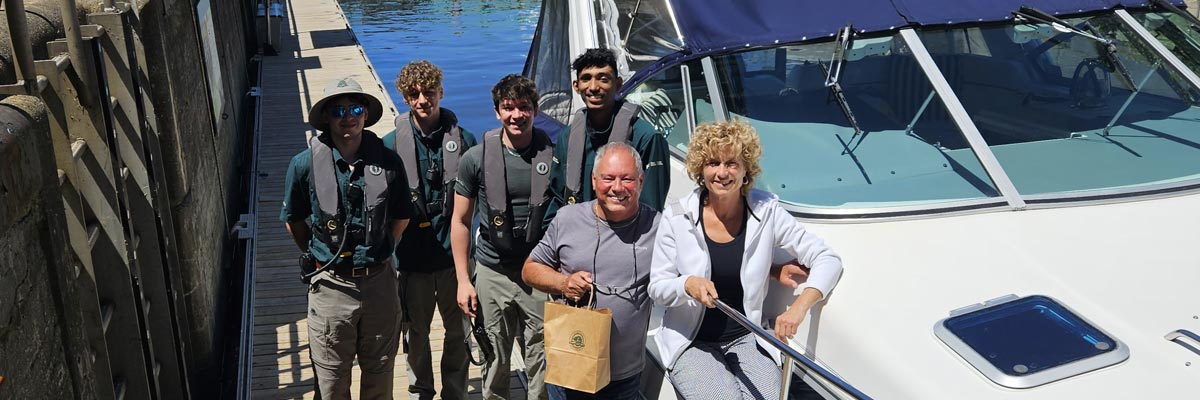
{"points": [[680, 251]]}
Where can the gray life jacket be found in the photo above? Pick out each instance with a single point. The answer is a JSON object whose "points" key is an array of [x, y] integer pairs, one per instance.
{"points": [[452, 148], [621, 126], [329, 228], [501, 232]]}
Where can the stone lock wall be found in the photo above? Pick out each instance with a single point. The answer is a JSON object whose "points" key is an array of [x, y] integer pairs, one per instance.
{"points": [[116, 258]]}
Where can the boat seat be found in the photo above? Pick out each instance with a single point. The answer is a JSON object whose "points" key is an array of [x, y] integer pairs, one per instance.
{"points": [[657, 108]]}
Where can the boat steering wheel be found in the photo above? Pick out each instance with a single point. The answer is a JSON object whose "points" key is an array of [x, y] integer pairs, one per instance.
{"points": [[1091, 85]]}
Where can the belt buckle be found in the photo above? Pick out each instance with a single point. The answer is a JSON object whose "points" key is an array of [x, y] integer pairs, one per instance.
{"points": [[358, 272]]}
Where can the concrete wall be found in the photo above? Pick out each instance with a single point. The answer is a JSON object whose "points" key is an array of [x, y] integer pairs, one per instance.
{"points": [[200, 149], [34, 360], [42, 341]]}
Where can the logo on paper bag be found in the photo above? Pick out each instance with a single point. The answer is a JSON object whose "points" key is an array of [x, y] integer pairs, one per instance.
{"points": [[577, 340]]}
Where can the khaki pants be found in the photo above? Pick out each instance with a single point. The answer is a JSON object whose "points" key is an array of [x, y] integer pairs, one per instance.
{"points": [[510, 307], [420, 292], [348, 317]]}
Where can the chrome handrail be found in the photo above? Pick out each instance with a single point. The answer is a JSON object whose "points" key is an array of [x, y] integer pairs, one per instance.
{"points": [[790, 355]]}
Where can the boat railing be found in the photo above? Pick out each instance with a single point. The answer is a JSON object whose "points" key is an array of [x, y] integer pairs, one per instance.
{"points": [[790, 357]]}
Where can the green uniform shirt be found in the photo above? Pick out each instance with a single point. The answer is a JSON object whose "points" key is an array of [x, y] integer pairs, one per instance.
{"points": [[470, 184], [644, 138], [300, 198], [427, 249]]}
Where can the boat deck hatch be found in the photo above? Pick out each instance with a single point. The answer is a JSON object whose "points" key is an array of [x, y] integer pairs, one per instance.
{"points": [[1028, 341]]}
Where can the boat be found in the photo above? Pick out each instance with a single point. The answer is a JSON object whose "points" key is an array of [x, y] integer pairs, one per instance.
{"points": [[1013, 186]]}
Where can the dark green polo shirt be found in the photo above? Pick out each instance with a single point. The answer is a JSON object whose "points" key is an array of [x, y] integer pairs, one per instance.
{"points": [[427, 249], [644, 138], [300, 198]]}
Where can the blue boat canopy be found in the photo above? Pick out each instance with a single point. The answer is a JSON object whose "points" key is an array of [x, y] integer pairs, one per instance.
{"points": [[721, 26], [710, 26]]}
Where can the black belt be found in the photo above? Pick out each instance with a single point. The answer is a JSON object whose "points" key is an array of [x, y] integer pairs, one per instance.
{"points": [[350, 271], [501, 267]]}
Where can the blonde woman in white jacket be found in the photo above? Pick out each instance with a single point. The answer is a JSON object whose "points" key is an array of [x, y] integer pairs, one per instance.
{"points": [[719, 242]]}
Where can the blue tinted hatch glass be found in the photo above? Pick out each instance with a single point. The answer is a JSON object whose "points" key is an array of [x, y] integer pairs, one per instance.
{"points": [[1028, 335]]}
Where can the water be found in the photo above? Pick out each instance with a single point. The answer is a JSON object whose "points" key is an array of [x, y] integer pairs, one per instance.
{"points": [[474, 42]]}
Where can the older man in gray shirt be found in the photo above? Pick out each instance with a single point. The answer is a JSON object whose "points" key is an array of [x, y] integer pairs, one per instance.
{"points": [[607, 242]]}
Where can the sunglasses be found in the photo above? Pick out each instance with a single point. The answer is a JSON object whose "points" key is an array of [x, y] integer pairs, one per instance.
{"points": [[355, 110]]}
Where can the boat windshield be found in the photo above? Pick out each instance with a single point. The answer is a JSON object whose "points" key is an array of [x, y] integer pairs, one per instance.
{"points": [[909, 151], [641, 30], [1059, 116], [1176, 33]]}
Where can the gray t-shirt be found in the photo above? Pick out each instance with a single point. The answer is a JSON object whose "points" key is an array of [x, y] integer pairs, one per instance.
{"points": [[618, 256]]}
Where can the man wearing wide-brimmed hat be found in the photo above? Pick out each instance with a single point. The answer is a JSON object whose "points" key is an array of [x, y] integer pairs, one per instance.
{"points": [[345, 204]]}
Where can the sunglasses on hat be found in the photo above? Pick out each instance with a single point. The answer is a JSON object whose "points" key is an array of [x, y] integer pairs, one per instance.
{"points": [[354, 110]]}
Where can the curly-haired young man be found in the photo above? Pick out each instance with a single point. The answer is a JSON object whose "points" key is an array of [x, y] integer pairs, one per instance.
{"points": [[430, 142]]}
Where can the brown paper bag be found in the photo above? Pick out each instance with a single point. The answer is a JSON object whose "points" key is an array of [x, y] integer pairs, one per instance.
{"points": [[577, 342]]}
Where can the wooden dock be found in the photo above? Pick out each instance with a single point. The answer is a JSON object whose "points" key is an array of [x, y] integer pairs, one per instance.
{"points": [[317, 46]]}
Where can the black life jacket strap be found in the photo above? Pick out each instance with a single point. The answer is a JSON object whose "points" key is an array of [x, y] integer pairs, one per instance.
{"points": [[375, 194], [452, 149], [496, 190], [322, 176]]}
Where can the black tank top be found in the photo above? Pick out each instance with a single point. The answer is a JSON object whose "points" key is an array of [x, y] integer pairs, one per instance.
{"points": [[726, 264]]}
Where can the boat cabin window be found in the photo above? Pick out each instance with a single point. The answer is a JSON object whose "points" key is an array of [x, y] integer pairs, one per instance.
{"points": [[902, 148], [553, 77], [663, 103], [1062, 116]]}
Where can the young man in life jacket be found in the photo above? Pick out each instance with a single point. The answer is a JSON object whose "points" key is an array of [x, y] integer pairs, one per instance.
{"points": [[505, 180], [603, 120], [430, 143], [346, 204]]}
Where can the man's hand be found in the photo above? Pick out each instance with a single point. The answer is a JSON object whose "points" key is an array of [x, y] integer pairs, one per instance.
{"points": [[577, 285], [790, 274], [701, 289], [467, 301]]}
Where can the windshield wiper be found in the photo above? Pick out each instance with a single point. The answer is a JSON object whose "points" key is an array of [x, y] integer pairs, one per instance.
{"points": [[1136, 90], [1107, 49], [833, 74], [1193, 22]]}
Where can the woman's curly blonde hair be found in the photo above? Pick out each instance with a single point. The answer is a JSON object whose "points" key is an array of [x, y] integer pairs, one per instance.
{"points": [[711, 141], [418, 73]]}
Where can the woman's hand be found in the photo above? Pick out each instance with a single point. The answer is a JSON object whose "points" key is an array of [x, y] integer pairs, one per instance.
{"points": [[701, 289], [787, 323]]}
